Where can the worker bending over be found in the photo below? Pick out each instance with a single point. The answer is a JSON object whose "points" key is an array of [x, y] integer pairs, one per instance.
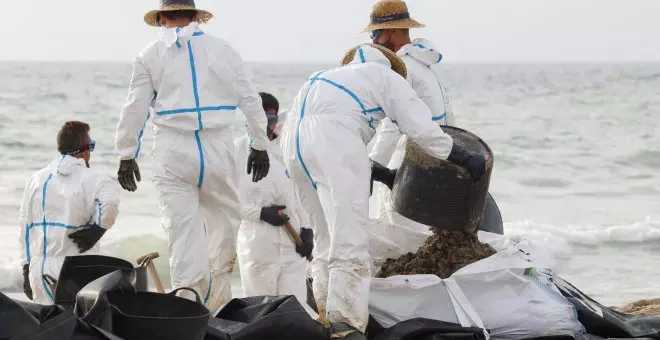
{"points": [[324, 140]]}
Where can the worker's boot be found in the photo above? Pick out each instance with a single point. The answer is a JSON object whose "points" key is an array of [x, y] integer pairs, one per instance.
{"points": [[342, 330]]}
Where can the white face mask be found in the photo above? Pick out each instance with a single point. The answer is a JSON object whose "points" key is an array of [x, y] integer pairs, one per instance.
{"points": [[168, 35]]}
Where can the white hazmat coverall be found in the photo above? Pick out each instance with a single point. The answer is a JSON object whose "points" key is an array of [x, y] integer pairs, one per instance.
{"points": [[422, 62], [324, 146], [193, 83], [57, 200], [267, 254]]}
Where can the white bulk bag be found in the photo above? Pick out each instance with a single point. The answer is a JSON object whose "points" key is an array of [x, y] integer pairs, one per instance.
{"points": [[507, 294]]}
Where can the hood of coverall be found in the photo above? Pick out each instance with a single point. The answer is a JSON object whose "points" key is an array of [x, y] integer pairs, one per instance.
{"points": [[423, 51], [366, 53], [64, 165]]}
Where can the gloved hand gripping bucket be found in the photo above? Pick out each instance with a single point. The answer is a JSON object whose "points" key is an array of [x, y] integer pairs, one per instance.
{"points": [[439, 193]]}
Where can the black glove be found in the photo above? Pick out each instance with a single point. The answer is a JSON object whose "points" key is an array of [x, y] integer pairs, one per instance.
{"points": [[85, 237], [475, 163], [258, 164], [26, 281], [381, 174], [125, 174], [272, 215], [305, 249]]}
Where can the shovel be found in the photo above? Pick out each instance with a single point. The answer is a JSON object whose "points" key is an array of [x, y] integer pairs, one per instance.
{"points": [[147, 260], [294, 235]]}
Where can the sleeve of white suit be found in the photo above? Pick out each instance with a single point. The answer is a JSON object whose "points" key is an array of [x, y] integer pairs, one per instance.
{"points": [[413, 117], [387, 137], [23, 221], [249, 102], [135, 112], [106, 200]]}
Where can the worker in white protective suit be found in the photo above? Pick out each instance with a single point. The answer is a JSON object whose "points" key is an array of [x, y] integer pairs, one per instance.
{"points": [[270, 262], [324, 143], [66, 209], [389, 27], [193, 83]]}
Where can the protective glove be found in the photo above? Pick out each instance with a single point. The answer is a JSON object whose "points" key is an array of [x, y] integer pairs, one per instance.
{"points": [[273, 216], [125, 174], [86, 236], [26, 281], [258, 164], [475, 163], [381, 174], [305, 249]]}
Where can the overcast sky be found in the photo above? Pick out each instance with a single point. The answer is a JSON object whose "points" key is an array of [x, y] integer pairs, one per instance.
{"points": [[321, 30]]}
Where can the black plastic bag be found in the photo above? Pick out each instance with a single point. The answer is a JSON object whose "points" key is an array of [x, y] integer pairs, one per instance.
{"points": [[92, 305], [14, 319], [491, 221], [78, 271], [310, 295], [427, 329], [264, 317], [23, 320], [611, 324]]}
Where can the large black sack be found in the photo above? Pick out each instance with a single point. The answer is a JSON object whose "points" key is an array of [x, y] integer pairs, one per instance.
{"points": [[14, 319], [78, 271], [24, 320], [610, 324], [491, 221], [427, 329], [92, 304], [264, 317], [311, 302]]}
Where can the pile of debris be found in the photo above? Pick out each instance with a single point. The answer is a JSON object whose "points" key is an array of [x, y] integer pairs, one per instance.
{"points": [[443, 253]]}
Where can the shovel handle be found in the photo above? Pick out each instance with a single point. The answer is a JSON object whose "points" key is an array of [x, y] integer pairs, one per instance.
{"points": [[294, 235], [154, 276]]}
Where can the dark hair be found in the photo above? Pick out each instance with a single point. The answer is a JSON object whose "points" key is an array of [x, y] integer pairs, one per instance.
{"points": [[269, 101], [72, 137], [184, 13]]}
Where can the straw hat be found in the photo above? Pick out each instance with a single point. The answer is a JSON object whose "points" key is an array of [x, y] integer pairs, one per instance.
{"points": [[151, 18], [398, 65], [391, 14]]}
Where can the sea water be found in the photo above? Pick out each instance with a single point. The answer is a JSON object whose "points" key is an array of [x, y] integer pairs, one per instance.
{"points": [[577, 158]]}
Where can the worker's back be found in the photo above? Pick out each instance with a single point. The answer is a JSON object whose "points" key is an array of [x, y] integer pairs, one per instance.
{"points": [[58, 199], [194, 78], [356, 95]]}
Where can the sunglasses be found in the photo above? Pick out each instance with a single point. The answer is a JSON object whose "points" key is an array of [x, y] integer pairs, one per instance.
{"points": [[375, 34], [89, 147]]}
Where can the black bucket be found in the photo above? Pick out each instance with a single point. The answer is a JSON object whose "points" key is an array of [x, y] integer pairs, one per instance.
{"points": [[147, 315], [439, 193]]}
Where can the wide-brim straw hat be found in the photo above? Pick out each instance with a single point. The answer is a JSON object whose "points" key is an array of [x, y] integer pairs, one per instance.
{"points": [[391, 14], [151, 18], [398, 65]]}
